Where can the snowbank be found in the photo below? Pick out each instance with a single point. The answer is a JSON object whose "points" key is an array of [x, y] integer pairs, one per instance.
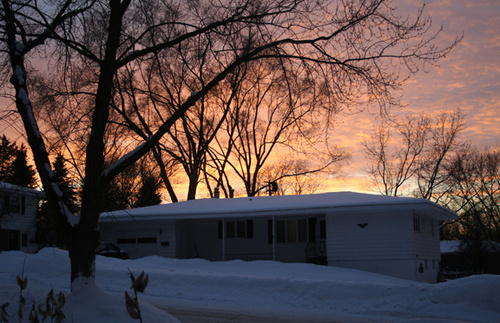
{"points": [[258, 286]]}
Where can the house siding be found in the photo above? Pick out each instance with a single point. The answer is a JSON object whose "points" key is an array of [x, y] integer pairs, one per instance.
{"points": [[167, 240], [198, 239], [377, 240], [426, 248], [140, 239], [383, 237], [20, 224], [400, 243]]}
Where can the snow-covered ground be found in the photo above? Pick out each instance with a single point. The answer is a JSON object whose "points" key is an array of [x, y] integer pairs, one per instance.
{"points": [[259, 288]]}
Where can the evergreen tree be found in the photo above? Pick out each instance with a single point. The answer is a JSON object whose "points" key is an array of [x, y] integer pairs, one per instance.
{"points": [[14, 167], [113, 198], [22, 174], [149, 193], [121, 193], [47, 225], [61, 177], [8, 151]]}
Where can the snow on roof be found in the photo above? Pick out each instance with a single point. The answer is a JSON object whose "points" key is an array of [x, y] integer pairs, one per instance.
{"points": [[19, 189], [448, 246], [451, 246], [265, 205]]}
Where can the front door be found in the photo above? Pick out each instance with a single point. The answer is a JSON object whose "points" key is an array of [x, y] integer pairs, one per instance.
{"points": [[316, 246], [10, 240]]}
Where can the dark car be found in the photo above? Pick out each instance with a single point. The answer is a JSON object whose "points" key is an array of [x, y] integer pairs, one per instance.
{"points": [[109, 249]]}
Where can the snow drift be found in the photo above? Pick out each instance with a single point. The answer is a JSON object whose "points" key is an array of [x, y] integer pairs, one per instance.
{"points": [[304, 290]]}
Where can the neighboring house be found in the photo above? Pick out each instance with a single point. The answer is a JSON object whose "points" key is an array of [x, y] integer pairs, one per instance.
{"points": [[18, 212], [458, 259], [390, 235]]}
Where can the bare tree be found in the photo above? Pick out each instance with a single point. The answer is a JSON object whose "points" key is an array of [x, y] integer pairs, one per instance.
{"points": [[394, 165], [274, 112], [412, 160], [189, 140], [472, 189], [444, 134], [107, 36]]}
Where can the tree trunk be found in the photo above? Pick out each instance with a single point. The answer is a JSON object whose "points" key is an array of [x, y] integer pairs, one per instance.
{"points": [[84, 241], [163, 174], [85, 237], [193, 183]]}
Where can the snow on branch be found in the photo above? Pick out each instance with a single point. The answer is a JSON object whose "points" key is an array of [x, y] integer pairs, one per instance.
{"points": [[36, 143], [127, 159]]}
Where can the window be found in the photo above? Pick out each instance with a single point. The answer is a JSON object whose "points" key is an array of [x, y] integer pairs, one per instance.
{"points": [[291, 230], [230, 232], [240, 229], [416, 223], [322, 229], [280, 231], [126, 241], [24, 240], [5, 203], [270, 231], [302, 224], [15, 204], [237, 229], [312, 229], [146, 240], [249, 229]]}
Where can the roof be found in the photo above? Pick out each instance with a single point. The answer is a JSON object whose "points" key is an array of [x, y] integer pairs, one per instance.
{"points": [[275, 205], [20, 189], [454, 246]]}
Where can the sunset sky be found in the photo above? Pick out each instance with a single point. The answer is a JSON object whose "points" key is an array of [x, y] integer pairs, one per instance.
{"points": [[468, 78]]}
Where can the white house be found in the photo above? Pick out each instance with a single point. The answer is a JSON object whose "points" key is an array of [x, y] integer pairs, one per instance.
{"points": [[390, 235], [18, 211]]}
